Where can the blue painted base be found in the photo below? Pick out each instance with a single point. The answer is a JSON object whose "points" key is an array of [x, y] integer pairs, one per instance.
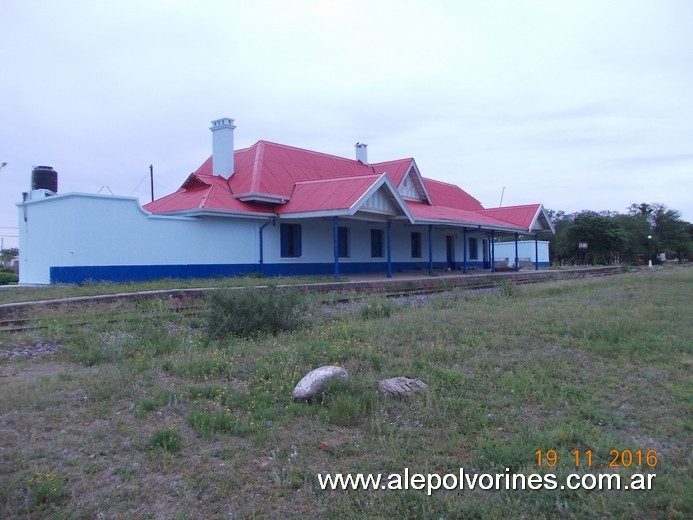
{"points": [[126, 273]]}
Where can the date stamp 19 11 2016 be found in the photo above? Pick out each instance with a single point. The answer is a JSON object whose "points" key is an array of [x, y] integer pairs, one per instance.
{"points": [[586, 458]]}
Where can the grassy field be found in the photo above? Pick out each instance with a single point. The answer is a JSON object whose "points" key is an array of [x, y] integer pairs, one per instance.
{"points": [[155, 419], [14, 294]]}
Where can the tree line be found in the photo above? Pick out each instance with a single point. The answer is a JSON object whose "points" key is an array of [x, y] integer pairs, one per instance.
{"points": [[609, 237]]}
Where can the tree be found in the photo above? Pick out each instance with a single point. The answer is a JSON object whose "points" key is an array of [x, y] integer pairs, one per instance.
{"points": [[671, 232], [604, 236], [6, 255], [636, 227]]}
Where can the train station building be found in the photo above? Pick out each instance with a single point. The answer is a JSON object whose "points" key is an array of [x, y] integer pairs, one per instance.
{"points": [[274, 210]]}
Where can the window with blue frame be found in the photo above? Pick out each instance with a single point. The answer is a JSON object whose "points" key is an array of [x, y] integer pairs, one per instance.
{"points": [[290, 240], [473, 249], [343, 242], [416, 245], [376, 243]]}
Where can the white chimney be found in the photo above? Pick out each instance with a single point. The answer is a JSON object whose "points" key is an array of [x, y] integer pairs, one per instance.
{"points": [[222, 147], [361, 152]]}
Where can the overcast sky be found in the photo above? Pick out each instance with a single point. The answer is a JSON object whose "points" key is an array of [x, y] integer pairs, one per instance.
{"points": [[574, 104]]}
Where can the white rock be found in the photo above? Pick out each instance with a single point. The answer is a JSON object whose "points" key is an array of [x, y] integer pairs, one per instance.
{"points": [[313, 382], [401, 386]]}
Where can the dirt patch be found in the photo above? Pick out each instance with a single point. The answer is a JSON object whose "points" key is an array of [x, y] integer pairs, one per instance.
{"points": [[18, 352], [27, 372]]}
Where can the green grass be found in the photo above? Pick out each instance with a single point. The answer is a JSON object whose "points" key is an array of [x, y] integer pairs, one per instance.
{"points": [[53, 292], [588, 365]]}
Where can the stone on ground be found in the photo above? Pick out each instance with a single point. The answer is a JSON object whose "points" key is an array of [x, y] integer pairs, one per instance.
{"points": [[313, 383], [401, 386]]}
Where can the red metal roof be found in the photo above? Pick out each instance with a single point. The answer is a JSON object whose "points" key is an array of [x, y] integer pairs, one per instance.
{"points": [[279, 179], [451, 196], [394, 169], [203, 192], [426, 212], [522, 216], [330, 194]]}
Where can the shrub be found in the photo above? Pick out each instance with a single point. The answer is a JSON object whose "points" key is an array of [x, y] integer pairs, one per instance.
{"points": [[509, 289], [8, 278], [207, 423], [45, 488], [248, 312], [168, 439], [378, 308]]}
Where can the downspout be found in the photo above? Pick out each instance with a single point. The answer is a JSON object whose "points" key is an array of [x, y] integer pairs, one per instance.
{"points": [[262, 259], [430, 250], [464, 258]]}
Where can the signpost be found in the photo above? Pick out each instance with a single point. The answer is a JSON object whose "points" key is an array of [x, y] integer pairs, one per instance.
{"points": [[581, 252]]}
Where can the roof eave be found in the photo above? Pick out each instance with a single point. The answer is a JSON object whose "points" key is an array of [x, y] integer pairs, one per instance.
{"points": [[211, 212], [254, 196], [384, 179], [343, 212], [463, 223]]}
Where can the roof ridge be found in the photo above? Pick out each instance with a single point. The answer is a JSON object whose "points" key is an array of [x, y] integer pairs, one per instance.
{"points": [[347, 178], [312, 152], [511, 207], [257, 163], [405, 159]]}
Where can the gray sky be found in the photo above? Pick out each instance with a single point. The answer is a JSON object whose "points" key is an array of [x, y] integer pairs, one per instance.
{"points": [[574, 104]]}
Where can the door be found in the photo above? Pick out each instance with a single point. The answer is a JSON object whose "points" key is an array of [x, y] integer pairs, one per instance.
{"points": [[450, 251], [484, 248]]}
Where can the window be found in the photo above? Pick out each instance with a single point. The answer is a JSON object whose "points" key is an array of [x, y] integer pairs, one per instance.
{"points": [[343, 242], [376, 243], [473, 249], [416, 245], [290, 240]]}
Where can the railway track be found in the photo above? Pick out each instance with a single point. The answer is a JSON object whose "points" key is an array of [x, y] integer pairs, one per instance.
{"points": [[188, 303]]}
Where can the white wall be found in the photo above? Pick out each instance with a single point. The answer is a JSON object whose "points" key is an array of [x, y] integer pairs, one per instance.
{"points": [[103, 230], [87, 230], [525, 251]]}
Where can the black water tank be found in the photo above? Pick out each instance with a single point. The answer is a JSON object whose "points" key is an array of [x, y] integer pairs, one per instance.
{"points": [[44, 178]]}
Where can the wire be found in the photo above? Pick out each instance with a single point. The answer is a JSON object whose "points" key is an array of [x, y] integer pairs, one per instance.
{"points": [[138, 184]]}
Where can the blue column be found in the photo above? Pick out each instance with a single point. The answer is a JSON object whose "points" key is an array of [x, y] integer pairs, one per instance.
{"points": [[464, 258], [493, 250], [430, 250], [536, 252], [335, 237], [389, 249], [517, 260], [262, 251]]}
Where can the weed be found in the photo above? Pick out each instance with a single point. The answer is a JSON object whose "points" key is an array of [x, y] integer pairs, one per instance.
{"points": [[343, 411], [46, 488], [249, 312], [375, 308], [160, 399], [509, 289], [169, 440], [207, 423]]}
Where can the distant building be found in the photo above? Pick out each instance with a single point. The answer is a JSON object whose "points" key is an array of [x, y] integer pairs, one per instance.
{"points": [[529, 252], [269, 209]]}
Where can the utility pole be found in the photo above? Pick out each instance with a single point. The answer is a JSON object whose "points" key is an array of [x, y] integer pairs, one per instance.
{"points": [[151, 180]]}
